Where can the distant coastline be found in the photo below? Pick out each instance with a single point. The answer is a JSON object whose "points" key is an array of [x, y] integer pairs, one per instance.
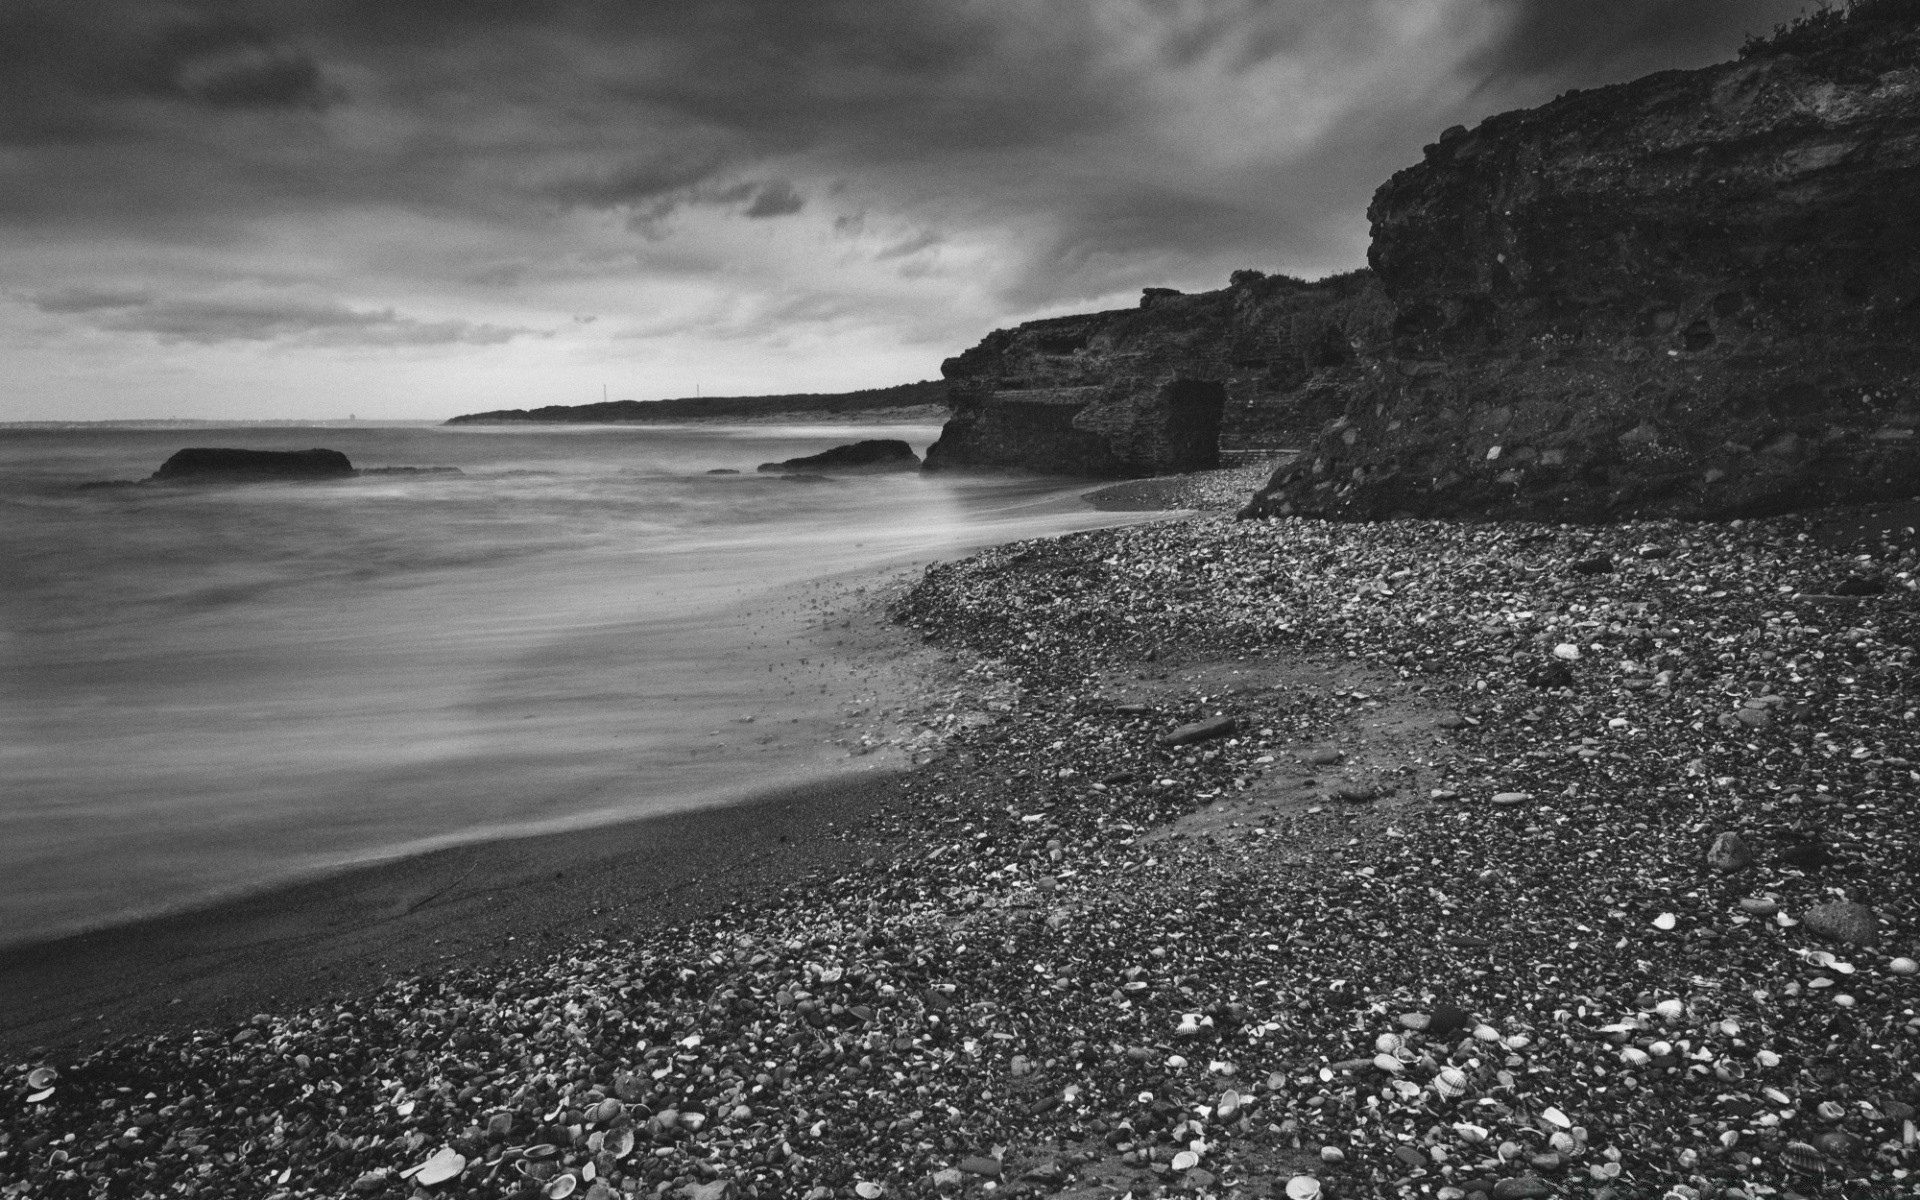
{"points": [[925, 400]]}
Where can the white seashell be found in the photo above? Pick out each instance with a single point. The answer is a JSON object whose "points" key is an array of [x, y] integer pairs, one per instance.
{"points": [[1486, 1033], [1670, 1009], [1730, 1028], [1658, 1049], [1388, 1063], [618, 1142], [1189, 1025], [1176, 1062], [1450, 1083], [1472, 1134], [1303, 1187], [561, 1187], [1767, 1058], [868, 1190], [40, 1095], [1634, 1056], [441, 1167], [1567, 652], [1562, 1142], [1776, 1095], [1229, 1106], [1389, 1043], [41, 1077], [1556, 1117], [1519, 1041], [1407, 1089], [1186, 1160], [1665, 922]]}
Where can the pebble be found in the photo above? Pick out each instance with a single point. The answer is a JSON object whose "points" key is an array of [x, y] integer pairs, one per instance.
{"points": [[1201, 731], [1728, 853], [1842, 921]]}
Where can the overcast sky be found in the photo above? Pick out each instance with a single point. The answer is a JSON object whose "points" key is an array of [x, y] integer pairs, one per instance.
{"points": [[414, 208]]}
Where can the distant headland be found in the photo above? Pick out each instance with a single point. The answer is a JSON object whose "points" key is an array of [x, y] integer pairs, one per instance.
{"points": [[925, 400]]}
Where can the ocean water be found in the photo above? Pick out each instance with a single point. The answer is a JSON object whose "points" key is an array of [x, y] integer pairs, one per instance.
{"points": [[206, 690]]}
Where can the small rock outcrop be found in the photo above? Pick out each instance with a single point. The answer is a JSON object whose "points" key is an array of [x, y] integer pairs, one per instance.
{"points": [[1694, 295], [1165, 387], [871, 457], [204, 465]]}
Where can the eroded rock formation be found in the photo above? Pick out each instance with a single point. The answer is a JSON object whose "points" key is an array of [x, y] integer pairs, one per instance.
{"points": [[873, 456], [1163, 387], [211, 465], [1696, 294]]}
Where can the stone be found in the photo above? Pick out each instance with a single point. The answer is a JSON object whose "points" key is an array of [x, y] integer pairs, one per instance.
{"points": [[1861, 585], [1551, 674], [203, 465], [1200, 731], [1599, 564], [1521, 1187], [875, 455], [1729, 853], [1842, 921], [1325, 758], [981, 1165], [715, 1189]]}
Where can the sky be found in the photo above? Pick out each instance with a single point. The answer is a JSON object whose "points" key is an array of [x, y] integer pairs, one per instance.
{"points": [[231, 209]]}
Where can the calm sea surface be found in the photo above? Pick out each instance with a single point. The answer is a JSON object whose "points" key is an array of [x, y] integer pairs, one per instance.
{"points": [[206, 690]]}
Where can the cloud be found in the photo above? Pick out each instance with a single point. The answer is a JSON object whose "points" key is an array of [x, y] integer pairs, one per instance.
{"points": [[922, 169], [1584, 45], [775, 199], [213, 319]]}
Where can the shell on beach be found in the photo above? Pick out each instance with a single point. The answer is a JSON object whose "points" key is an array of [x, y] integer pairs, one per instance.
{"points": [[443, 1166], [1802, 1157], [1389, 1043], [41, 1077], [618, 1142], [608, 1110], [561, 1187], [1388, 1063], [1450, 1083], [1303, 1187]]}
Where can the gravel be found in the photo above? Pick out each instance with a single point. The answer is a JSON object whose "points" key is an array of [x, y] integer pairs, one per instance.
{"points": [[1431, 994]]}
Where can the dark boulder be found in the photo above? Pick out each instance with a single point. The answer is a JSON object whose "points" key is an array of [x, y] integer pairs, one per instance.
{"points": [[869, 457], [202, 465]]}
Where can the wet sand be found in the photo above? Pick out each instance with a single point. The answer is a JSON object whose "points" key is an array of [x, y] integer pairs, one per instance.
{"points": [[492, 902]]}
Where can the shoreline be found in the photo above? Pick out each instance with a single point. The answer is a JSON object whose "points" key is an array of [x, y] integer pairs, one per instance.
{"points": [[1082, 941], [483, 903]]}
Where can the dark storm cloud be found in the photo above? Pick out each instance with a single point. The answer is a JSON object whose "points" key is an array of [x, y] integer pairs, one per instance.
{"points": [[1582, 45], [71, 71], [208, 320], [1104, 143]]}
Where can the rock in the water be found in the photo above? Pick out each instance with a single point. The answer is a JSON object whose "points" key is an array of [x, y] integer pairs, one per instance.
{"points": [[1842, 921], [1729, 852], [872, 456], [205, 465], [723, 471], [1200, 731]]}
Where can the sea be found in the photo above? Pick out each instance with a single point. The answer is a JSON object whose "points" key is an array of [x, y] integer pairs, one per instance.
{"points": [[210, 690]]}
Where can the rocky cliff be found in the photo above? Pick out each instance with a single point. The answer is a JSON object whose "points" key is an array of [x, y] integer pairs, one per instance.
{"points": [[1696, 294], [1165, 386]]}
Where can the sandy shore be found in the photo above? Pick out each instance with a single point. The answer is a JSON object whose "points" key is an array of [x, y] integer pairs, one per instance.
{"points": [[1375, 855], [480, 905]]}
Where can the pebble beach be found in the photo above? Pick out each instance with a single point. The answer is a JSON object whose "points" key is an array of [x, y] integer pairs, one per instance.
{"points": [[1242, 859]]}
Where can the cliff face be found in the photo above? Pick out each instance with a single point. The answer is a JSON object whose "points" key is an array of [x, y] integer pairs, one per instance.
{"points": [[1163, 387], [1697, 294]]}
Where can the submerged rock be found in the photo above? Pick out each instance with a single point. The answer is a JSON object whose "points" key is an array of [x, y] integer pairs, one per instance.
{"points": [[205, 465], [869, 457]]}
